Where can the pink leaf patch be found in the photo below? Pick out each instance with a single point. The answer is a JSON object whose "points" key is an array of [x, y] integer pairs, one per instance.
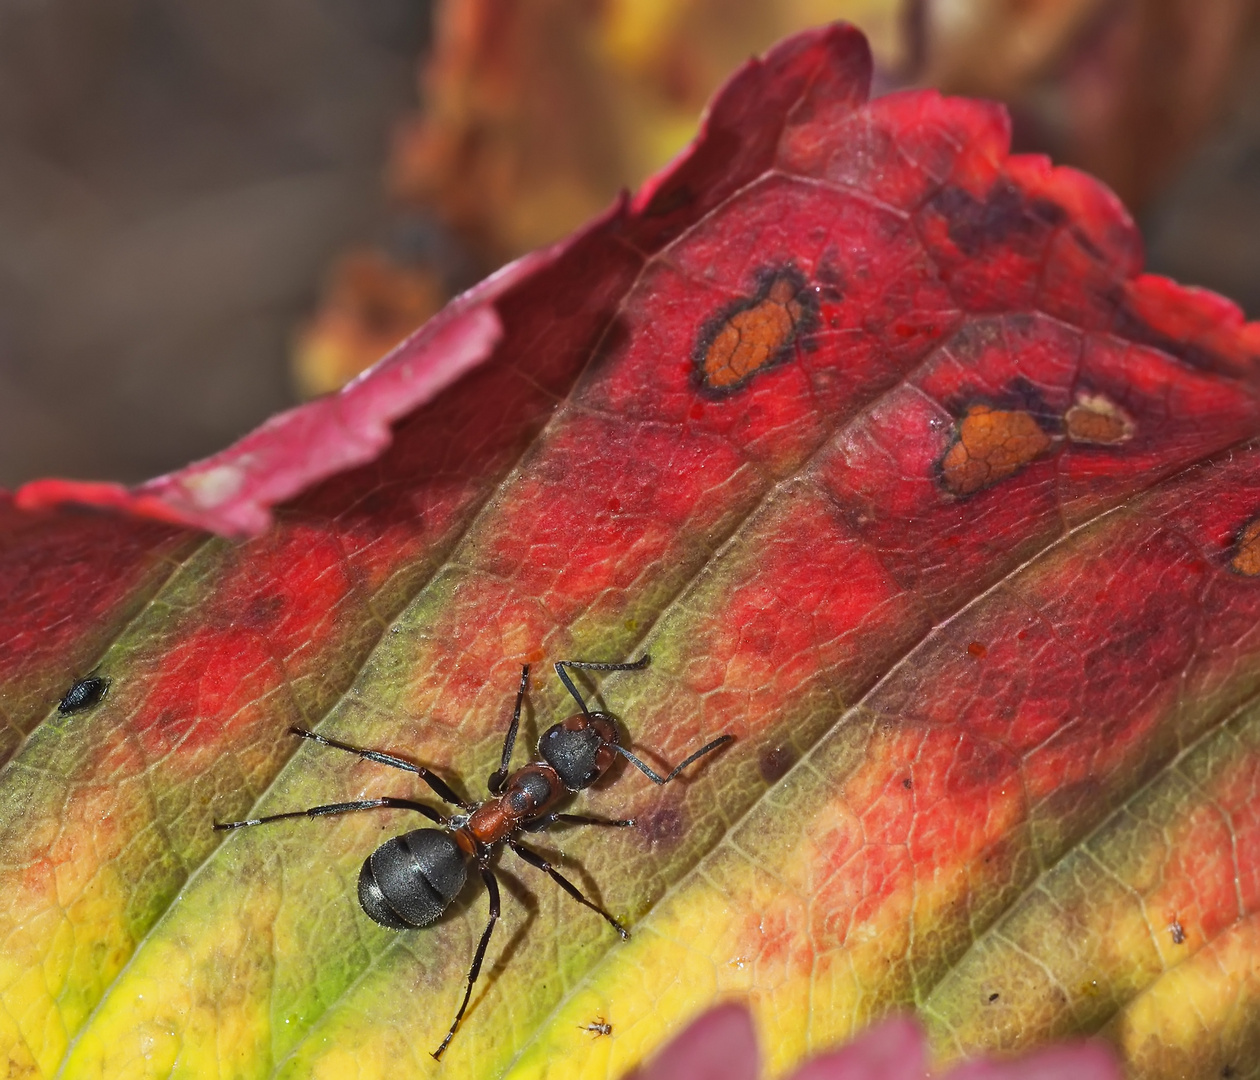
{"points": [[721, 1045]]}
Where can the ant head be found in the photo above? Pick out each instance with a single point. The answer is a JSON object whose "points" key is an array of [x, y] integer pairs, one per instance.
{"points": [[578, 748]]}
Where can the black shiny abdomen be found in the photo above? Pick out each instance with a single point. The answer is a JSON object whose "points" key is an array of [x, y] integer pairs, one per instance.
{"points": [[410, 880], [83, 695]]}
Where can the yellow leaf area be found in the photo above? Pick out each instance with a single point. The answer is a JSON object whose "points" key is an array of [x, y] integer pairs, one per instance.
{"points": [[49, 977], [106, 811], [70, 921]]}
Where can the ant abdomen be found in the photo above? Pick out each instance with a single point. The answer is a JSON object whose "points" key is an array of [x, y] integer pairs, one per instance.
{"points": [[410, 880]]}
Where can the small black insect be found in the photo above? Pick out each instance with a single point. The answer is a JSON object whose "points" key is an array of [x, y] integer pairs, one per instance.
{"points": [[84, 694], [597, 1027], [408, 881]]}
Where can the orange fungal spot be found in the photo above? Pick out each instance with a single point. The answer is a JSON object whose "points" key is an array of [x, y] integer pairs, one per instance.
{"points": [[992, 444], [977, 650], [753, 337], [1095, 419], [1246, 560]]}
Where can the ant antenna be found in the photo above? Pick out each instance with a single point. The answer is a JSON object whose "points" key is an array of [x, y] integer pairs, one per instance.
{"points": [[498, 778], [646, 770], [590, 665]]}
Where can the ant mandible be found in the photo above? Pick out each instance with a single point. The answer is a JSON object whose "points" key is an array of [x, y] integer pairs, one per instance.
{"points": [[408, 881]]}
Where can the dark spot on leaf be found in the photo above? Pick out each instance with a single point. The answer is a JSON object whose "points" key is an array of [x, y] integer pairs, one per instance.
{"points": [[1005, 216], [1088, 245], [173, 725], [1178, 932], [1132, 327], [907, 783], [664, 825], [990, 445], [970, 344], [666, 201], [993, 997], [775, 762], [830, 279], [756, 333], [1228, 1072], [263, 611], [1095, 419], [977, 650], [1246, 558]]}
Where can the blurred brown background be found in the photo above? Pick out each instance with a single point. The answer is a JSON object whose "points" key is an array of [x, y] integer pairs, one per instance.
{"points": [[208, 210]]}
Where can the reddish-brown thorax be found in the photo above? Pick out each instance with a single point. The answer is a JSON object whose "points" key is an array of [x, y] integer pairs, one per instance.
{"points": [[532, 791]]}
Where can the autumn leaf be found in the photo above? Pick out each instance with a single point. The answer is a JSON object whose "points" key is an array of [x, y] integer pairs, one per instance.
{"points": [[881, 445]]}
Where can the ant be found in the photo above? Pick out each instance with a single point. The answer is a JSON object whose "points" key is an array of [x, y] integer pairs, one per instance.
{"points": [[410, 880]]}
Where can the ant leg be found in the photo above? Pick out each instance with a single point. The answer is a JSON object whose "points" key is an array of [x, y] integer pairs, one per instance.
{"points": [[601, 665], [594, 665], [497, 779], [583, 819], [386, 803], [439, 786], [575, 819], [722, 740], [536, 860], [492, 887]]}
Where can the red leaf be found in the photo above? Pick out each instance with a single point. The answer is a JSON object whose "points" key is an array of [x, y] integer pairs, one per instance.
{"points": [[877, 439]]}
